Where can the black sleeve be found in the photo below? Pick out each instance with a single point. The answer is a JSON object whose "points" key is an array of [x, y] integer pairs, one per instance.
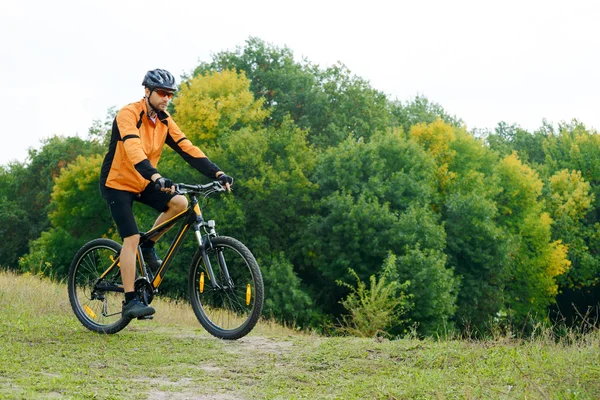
{"points": [[145, 169], [201, 164]]}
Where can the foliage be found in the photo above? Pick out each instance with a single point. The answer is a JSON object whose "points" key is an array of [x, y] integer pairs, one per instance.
{"points": [[349, 107], [272, 189], [478, 250], [77, 206], [376, 197], [285, 299], [100, 132], [210, 105], [51, 254], [375, 310], [12, 217], [330, 178], [330, 104], [433, 288], [570, 199], [78, 214], [30, 186], [437, 138], [537, 260], [509, 138], [420, 110]]}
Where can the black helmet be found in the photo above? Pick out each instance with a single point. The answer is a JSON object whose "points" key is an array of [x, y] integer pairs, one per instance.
{"points": [[159, 79]]}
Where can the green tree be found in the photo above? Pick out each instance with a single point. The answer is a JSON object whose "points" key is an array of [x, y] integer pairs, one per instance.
{"points": [[100, 131], [31, 185], [350, 107], [286, 299], [330, 103], [12, 219], [570, 200], [77, 206], [419, 110], [478, 247], [77, 214], [530, 147], [572, 176], [287, 86], [478, 250], [375, 198]]}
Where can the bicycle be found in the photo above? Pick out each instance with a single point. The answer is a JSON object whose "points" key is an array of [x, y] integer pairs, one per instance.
{"points": [[225, 283]]}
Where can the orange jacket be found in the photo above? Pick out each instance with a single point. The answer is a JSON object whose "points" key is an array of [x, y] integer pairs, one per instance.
{"points": [[136, 144]]}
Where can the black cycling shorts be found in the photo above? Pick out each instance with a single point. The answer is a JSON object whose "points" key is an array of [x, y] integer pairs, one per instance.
{"points": [[120, 204]]}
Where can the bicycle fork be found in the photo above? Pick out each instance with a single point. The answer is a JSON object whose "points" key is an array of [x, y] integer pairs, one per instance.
{"points": [[203, 245]]}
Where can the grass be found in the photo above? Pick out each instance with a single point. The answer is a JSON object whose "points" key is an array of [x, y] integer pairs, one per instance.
{"points": [[45, 353]]}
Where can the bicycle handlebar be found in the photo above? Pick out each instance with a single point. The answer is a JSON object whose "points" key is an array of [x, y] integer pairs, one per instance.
{"points": [[184, 188]]}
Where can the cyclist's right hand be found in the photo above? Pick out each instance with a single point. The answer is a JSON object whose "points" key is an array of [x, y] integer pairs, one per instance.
{"points": [[164, 184]]}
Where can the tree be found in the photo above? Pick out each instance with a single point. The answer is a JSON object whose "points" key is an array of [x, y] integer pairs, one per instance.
{"points": [[376, 198], [330, 104], [350, 107], [538, 260], [211, 105], [437, 138], [530, 147], [100, 132], [286, 85], [478, 250], [77, 206], [12, 219], [77, 214], [31, 184], [420, 110]]}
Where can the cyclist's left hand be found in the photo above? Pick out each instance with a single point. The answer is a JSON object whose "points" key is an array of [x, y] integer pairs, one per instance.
{"points": [[225, 180]]}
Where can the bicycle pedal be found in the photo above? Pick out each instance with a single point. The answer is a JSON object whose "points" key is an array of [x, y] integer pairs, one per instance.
{"points": [[146, 317]]}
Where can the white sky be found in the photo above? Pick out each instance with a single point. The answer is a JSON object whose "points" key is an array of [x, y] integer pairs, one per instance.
{"points": [[63, 63]]}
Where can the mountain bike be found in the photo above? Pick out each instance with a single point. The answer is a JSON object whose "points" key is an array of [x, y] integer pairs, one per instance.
{"points": [[225, 283]]}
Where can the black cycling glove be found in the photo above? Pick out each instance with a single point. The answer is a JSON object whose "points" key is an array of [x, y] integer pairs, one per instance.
{"points": [[163, 183], [224, 178]]}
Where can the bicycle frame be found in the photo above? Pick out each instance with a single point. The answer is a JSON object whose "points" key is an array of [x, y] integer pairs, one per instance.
{"points": [[192, 219]]}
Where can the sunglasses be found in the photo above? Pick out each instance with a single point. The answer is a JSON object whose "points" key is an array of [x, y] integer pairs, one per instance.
{"points": [[163, 93]]}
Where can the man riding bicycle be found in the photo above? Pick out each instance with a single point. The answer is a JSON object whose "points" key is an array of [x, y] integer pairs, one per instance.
{"points": [[129, 174]]}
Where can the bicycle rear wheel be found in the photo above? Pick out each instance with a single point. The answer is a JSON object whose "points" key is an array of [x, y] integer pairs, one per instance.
{"points": [[231, 309], [97, 303]]}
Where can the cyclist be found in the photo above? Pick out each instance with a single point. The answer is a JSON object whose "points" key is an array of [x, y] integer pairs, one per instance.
{"points": [[129, 174]]}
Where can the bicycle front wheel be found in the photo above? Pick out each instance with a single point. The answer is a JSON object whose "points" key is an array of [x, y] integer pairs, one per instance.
{"points": [[97, 303], [228, 308]]}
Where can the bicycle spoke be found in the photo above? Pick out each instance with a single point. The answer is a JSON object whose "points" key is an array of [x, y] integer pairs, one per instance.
{"points": [[97, 303], [225, 310]]}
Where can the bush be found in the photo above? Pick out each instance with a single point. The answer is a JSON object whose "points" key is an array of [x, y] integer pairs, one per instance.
{"points": [[376, 310]]}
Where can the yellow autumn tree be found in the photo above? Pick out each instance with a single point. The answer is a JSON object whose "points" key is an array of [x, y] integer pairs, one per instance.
{"points": [[571, 195], [437, 138], [211, 105], [570, 200], [537, 260]]}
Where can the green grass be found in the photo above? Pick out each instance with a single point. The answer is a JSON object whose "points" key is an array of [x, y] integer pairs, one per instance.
{"points": [[45, 353]]}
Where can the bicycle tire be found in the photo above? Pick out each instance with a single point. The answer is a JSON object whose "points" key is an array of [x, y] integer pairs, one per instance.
{"points": [[103, 313], [227, 312]]}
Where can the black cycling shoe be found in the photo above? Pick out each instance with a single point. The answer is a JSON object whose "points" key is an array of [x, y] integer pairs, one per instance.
{"points": [[136, 309], [151, 258]]}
